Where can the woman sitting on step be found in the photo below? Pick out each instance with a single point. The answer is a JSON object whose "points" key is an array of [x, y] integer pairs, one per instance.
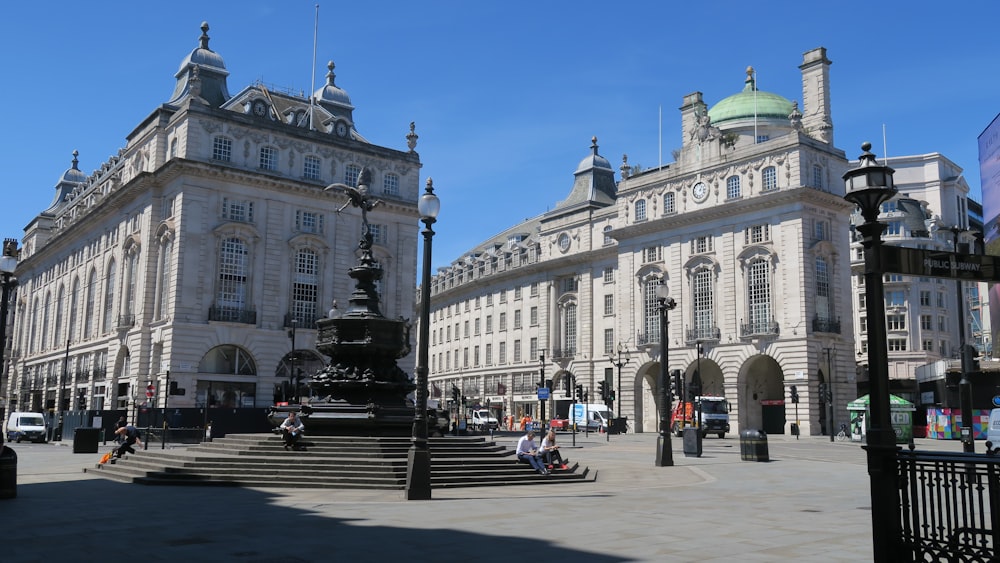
{"points": [[550, 451]]}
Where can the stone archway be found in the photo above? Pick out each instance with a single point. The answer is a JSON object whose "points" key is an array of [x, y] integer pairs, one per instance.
{"points": [[761, 395], [712, 379], [647, 412]]}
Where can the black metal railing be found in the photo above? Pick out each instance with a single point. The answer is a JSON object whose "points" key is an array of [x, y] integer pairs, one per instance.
{"points": [[949, 505], [232, 315], [644, 338], [759, 328], [704, 334], [563, 353], [826, 325]]}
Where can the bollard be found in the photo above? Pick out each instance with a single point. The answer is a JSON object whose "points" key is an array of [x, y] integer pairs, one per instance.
{"points": [[8, 473]]}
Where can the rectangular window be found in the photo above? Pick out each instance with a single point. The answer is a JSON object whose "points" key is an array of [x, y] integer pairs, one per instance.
{"points": [[390, 185], [379, 233], [609, 304], [895, 298], [896, 322], [534, 289], [568, 285], [517, 351], [465, 329], [733, 188], [308, 222], [517, 319], [476, 328], [533, 349], [925, 299], [927, 345], [533, 316], [756, 234], [609, 275], [268, 158], [701, 244], [640, 210], [817, 176], [351, 173], [943, 348], [897, 344], [769, 179], [503, 322], [489, 300], [821, 230], [861, 301], [926, 322], [651, 254], [503, 296], [222, 149], [940, 299], [475, 356], [503, 353], [942, 324], [517, 293], [237, 210], [489, 324], [863, 324], [489, 354], [310, 168], [609, 341]]}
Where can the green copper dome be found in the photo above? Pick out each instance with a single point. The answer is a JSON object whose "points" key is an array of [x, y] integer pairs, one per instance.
{"points": [[750, 102]]}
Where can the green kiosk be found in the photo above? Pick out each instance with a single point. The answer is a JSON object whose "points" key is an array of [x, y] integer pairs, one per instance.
{"points": [[900, 410]]}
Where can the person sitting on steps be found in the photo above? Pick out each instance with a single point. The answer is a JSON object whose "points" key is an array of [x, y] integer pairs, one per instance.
{"points": [[550, 451], [528, 453], [291, 431]]}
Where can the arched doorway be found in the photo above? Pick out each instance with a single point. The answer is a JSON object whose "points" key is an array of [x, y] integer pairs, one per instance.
{"points": [[647, 411], [761, 395], [712, 380], [235, 383]]}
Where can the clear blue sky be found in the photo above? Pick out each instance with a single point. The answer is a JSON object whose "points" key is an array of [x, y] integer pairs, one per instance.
{"points": [[505, 95]]}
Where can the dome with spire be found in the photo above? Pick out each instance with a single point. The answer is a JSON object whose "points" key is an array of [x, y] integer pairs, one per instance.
{"points": [[69, 181], [750, 103], [330, 93], [206, 68], [593, 160]]}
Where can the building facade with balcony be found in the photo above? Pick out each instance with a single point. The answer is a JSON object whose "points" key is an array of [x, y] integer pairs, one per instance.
{"points": [[749, 230], [922, 314], [206, 248]]}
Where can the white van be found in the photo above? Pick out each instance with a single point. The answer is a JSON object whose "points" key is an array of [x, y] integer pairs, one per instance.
{"points": [[26, 426], [993, 432]]}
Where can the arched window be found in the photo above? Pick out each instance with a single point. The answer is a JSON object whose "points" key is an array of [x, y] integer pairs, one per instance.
{"points": [[607, 236], [759, 296], [228, 359], [74, 302], [305, 287], [131, 272], [231, 294], [640, 210], [669, 205], [57, 339], [109, 296], [569, 330], [769, 179], [651, 310], [163, 289], [733, 187], [823, 306], [89, 312], [46, 311], [703, 297]]}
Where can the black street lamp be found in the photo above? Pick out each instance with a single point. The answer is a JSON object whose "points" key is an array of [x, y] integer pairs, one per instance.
{"points": [[8, 263], [696, 385], [826, 393], [966, 354], [619, 364], [418, 459], [293, 389], [541, 408], [868, 186], [664, 451]]}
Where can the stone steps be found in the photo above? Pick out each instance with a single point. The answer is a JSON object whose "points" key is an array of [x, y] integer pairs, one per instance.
{"points": [[260, 460]]}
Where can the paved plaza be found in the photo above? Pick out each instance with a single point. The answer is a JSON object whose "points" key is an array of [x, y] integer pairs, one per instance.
{"points": [[809, 503]]}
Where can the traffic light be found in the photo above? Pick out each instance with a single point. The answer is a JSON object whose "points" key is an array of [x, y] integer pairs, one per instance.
{"points": [[579, 393], [586, 396], [611, 395], [454, 394], [569, 388], [548, 384], [81, 401], [602, 392], [677, 383], [795, 394]]}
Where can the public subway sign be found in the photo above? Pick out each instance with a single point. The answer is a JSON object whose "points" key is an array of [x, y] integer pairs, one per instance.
{"points": [[937, 264]]}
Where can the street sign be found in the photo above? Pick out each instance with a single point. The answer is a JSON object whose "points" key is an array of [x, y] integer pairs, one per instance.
{"points": [[935, 264], [543, 393], [996, 401]]}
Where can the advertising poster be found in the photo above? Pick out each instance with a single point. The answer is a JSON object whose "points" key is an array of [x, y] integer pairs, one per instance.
{"points": [[989, 173]]}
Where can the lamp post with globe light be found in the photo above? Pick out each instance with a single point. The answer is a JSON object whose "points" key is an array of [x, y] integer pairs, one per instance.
{"points": [[664, 450], [418, 462]]}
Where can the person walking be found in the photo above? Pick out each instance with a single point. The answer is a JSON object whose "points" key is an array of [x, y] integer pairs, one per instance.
{"points": [[528, 453]]}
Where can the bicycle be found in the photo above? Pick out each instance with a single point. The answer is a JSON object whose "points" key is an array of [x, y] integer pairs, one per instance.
{"points": [[843, 434]]}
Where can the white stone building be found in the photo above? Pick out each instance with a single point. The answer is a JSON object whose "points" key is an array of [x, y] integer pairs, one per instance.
{"points": [[749, 230], [203, 245]]}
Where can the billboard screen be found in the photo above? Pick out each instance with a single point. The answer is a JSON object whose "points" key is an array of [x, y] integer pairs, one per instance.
{"points": [[989, 174]]}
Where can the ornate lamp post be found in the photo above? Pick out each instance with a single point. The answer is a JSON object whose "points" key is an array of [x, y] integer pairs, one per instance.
{"points": [[8, 262], [619, 364], [664, 451], [868, 186], [541, 409], [418, 459], [293, 388]]}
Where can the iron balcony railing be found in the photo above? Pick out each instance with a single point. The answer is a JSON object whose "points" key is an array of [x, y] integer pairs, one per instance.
{"points": [[759, 328], [949, 506], [232, 315], [644, 338], [703, 334], [826, 325]]}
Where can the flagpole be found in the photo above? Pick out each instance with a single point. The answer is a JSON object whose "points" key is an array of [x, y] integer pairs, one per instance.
{"points": [[312, 73]]}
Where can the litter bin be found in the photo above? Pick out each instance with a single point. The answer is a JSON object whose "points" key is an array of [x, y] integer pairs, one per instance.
{"points": [[753, 445], [8, 473], [692, 442], [85, 440]]}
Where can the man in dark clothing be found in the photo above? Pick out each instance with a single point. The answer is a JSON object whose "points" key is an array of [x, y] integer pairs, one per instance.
{"points": [[130, 436]]}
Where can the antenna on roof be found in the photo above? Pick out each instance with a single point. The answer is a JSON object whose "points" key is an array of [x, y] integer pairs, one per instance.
{"points": [[660, 137], [312, 73], [885, 150]]}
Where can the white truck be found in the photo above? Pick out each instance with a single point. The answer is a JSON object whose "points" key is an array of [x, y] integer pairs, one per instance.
{"points": [[26, 426], [595, 415]]}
